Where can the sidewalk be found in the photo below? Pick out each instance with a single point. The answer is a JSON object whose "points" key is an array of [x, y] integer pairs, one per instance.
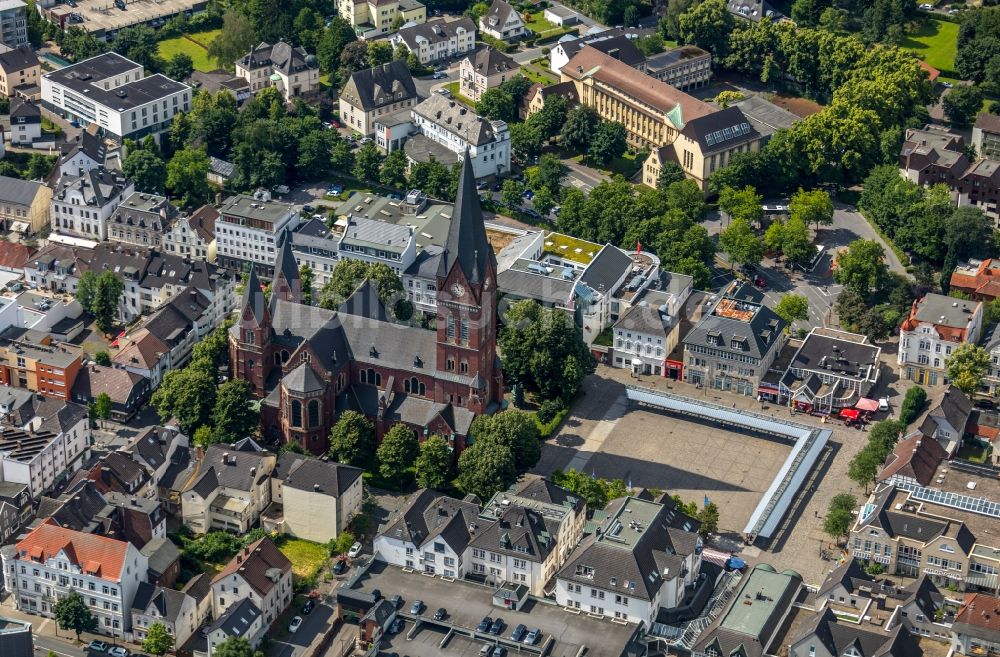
{"points": [[47, 627]]}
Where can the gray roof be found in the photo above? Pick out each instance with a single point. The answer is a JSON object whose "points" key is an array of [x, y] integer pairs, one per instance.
{"points": [[381, 234], [18, 59], [607, 268], [518, 531], [238, 619], [233, 472], [945, 311], [753, 10], [755, 337], [365, 302], [302, 379], [22, 108], [221, 167], [456, 118], [282, 56], [650, 315], [497, 15], [529, 285], [325, 477], [766, 117], [839, 637], [427, 515], [18, 192], [950, 403], [488, 60], [241, 205], [253, 297], [433, 32], [85, 77], [161, 554], [823, 351], [721, 130], [98, 187], [467, 243], [153, 444], [376, 87], [167, 602]]}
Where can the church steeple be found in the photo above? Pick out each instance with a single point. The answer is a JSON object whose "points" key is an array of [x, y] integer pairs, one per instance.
{"points": [[254, 301], [286, 284], [466, 244]]}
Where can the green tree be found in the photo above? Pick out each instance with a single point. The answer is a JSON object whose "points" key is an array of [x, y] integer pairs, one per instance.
{"points": [[966, 367], [650, 45], [511, 193], [397, 452], [865, 465], [138, 43], [961, 104], [235, 646], [179, 67], [332, 42], [434, 463], [367, 162], [862, 267], [913, 405], [234, 416], [214, 348], [792, 307], [341, 545], [235, 39], [526, 139], [349, 274], [486, 468], [187, 394], [393, 171], [548, 174], [814, 207], [670, 173], [709, 519], [158, 641], [352, 440], [39, 166], [791, 239], [840, 515], [102, 358], [107, 293], [72, 613], [742, 203], [146, 169], [497, 105], [204, 436], [516, 430], [103, 406], [740, 243], [543, 201], [379, 52], [707, 25], [578, 131], [670, 22], [608, 142], [187, 176]]}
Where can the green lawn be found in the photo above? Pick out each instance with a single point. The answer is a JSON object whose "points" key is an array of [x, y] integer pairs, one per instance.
{"points": [[194, 44], [936, 42], [465, 100], [543, 28], [536, 74], [307, 558]]}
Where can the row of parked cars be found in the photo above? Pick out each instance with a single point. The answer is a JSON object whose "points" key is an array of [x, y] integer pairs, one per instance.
{"points": [[520, 634], [102, 647]]}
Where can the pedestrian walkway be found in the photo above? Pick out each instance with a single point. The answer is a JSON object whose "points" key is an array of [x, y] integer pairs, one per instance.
{"points": [[595, 439]]}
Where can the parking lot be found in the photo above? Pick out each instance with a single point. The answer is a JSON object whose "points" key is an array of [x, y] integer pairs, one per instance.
{"points": [[468, 603]]}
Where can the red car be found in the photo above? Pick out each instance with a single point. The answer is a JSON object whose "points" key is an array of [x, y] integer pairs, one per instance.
{"points": [[760, 282]]}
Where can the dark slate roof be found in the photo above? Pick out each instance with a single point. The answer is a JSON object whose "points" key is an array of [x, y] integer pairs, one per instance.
{"points": [[22, 108], [302, 379], [529, 285], [488, 60], [153, 444], [17, 191], [849, 574], [467, 243], [606, 269], [497, 15], [543, 490], [721, 130], [365, 302], [759, 335], [282, 56], [238, 619], [285, 266], [161, 554], [427, 515], [18, 59], [306, 473], [518, 531], [236, 472], [261, 564], [253, 297], [621, 48], [925, 594], [365, 88], [434, 31], [167, 602], [839, 637]]}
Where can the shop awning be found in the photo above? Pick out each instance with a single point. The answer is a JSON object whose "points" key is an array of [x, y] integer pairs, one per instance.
{"points": [[865, 404], [849, 413]]}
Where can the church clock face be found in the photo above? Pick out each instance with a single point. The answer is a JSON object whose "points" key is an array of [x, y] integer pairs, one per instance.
{"points": [[457, 290]]}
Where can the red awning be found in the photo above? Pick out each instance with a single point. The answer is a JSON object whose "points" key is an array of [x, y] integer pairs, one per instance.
{"points": [[866, 404], [849, 413]]}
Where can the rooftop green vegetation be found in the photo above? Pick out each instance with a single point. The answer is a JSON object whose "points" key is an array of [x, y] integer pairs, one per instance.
{"points": [[570, 248]]}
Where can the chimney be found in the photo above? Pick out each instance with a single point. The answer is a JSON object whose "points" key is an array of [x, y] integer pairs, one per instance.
{"points": [[225, 458], [316, 487]]}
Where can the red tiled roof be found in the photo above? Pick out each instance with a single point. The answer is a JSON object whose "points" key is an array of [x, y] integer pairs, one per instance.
{"points": [[980, 610], [915, 456], [14, 255], [98, 555], [143, 349], [932, 72]]}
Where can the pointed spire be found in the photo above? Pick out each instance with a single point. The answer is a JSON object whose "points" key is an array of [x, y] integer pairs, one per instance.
{"points": [[466, 244], [286, 284], [253, 297]]}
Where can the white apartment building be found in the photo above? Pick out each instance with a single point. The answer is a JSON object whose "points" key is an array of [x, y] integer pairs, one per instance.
{"points": [[175, 610], [646, 333], [46, 450], [247, 231], [51, 561], [194, 236], [312, 499], [935, 327], [514, 544], [437, 40], [448, 126], [115, 94], [502, 21], [83, 203], [378, 242], [259, 573], [291, 70], [233, 490], [315, 246]]}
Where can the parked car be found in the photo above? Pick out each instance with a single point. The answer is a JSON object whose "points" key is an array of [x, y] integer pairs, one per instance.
{"points": [[497, 627], [119, 651], [335, 123], [926, 7], [97, 646], [417, 607], [439, 75], [497, 186], [355, 550], [281, 189], [396, 601], [308, 606], [486, 650], [295, 624], [533, 637], [518, 632], [500, 651], [340, 567], [308, 209], [883, 404], [376, 595], [484, 625], [528, 194], [397, 626], [440, 614], [760, 282]]}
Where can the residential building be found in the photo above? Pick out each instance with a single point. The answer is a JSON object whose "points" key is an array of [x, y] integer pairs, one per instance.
{"points": [[259, 573], [220, 81], [88, 152], [14, 23], [502, 21], [145, 355], [935, 326], [946, 417], [913, 461], [25, 122], [160, 449], [247, 229], [16, 509], [117, 472], [646, 333], [830, 370], [991, 343], [143, 220], [378, 242], [315, 246], [430, 534], [755, 617], [164, 565], [753, 10], [620, 48], [448, 129], [534, 100], [829, 636], [372, 18], [980, 279], [935, 155], [51, 561], [311, 498], [985, 133], [194, 236], [652, 111], [642, 559], [50, 447], [438, 39], [24, 205], [32, 360], [83, 204], [561, 16], [292, 71], [242, 620], [515, 544], [220, 172], [19, 73], [735, 342], [705, 144], [485, 69], [976, 630], [175, 610], [683, 67], [305, 361], [229, 490], [372, 92], [115, 94], [128, 391], [16, 638]]}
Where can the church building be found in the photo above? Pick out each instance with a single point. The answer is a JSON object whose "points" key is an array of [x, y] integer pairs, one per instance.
{"points": [[308, 364]]}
